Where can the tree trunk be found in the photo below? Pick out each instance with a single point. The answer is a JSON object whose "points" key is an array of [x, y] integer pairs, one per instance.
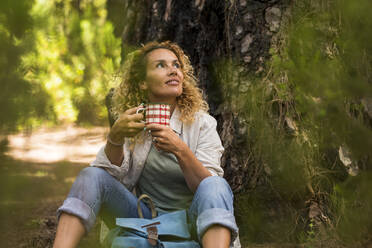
{"points": [[210, 31]]}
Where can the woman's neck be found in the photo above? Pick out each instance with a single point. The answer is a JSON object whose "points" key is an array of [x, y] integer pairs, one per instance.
{"points": [[172, 108]]}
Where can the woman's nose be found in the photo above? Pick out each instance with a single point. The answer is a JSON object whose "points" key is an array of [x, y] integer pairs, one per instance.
{"points": [[172, 71]]}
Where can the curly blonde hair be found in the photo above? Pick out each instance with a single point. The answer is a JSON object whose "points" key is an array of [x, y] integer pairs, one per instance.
{"points": [[128, 93]]}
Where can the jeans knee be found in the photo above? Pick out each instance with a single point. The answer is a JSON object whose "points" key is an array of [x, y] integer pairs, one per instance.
{"points": [[93, 173], [212, 192], [214, 185], [90, 177]]}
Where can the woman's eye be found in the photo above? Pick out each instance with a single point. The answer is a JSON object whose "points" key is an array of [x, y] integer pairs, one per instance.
{"points": [[177, 65], [160, 65]]}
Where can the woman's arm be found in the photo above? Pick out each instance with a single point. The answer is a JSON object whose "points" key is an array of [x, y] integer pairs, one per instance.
{"points": [[114, 153], [168, 141], [127, 125], [192, 168]]}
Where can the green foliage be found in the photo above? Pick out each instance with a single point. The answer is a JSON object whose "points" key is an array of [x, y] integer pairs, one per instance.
{"points": [[16, 101], [327, 63], [75, 57], [57, 60], [308, 105], [352, 201]]}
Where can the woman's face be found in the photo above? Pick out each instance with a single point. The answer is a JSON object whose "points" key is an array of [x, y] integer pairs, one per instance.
{"points": [[164, 77]]}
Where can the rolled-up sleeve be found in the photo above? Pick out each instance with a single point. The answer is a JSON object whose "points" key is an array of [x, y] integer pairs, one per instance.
{"points": [[209, 149], [116, 171]]}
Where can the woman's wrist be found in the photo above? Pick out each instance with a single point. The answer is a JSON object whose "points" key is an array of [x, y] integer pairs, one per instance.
{"points": [[180, 152], [115, 139]]}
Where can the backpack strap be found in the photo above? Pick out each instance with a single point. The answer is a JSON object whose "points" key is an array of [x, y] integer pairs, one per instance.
{"points": [[152, 230], [152, 206]]}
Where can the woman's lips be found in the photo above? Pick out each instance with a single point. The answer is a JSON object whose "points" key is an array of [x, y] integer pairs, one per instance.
{"points": [[172, 82]]}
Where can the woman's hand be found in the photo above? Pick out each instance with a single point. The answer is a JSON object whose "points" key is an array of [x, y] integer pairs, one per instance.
{"points": [[129, 124], [166, 139]]}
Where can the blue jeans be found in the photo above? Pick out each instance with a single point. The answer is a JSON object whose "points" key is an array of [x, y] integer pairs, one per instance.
{"points": [[97, 192]]}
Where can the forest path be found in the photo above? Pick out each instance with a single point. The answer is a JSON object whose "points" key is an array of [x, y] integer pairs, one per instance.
{"points": [[36, 173], [50, 145]]}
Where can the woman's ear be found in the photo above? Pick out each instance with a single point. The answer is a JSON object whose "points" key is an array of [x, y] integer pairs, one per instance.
{"points": [[143, 85]]}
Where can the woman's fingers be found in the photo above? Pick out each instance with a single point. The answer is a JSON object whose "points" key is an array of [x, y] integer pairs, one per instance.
{"points": [[136, 125], [158, 139], [131, 111], [155, 127], [156, 133], [136, 117], [129, 123]]}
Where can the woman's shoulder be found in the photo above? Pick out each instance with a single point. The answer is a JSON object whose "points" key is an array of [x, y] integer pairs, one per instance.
{"points": [[204, 119]]}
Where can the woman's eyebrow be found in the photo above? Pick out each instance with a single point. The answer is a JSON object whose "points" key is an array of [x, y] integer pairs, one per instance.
{"points": [[162, 60]]}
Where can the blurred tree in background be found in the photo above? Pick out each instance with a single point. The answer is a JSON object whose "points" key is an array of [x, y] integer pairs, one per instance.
{"points": [[16, 100], [75, 57], [59, 59]]}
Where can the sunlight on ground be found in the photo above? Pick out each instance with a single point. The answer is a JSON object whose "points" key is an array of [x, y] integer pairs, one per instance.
{"points": [[49, 145]]}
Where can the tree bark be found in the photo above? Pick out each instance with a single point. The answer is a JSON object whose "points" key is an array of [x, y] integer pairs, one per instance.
{"points": [[210, 31]]}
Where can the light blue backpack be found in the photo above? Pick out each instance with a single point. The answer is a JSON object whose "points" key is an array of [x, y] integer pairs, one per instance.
{"points": [[168, 230]]}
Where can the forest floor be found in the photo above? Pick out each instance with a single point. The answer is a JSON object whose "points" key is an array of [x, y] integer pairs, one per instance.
{"points": [[36, 173]]}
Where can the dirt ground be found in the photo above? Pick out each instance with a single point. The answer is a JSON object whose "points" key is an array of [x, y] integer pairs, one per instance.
{"points": [[36, 173]]}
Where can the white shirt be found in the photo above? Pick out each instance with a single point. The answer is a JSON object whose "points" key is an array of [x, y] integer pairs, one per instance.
{"points": [[200, 136]]}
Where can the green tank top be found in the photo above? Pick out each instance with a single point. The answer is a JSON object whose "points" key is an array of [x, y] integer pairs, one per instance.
{"points": [[162, 179]]}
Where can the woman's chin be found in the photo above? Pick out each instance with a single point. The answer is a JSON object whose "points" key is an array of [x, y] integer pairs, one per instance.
{"points": [[165, 96]]}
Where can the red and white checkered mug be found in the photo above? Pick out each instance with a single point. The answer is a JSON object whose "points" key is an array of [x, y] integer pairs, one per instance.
{"points": [[158, 113]]}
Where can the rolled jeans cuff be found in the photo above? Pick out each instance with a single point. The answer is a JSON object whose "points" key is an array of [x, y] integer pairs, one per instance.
{"points": [[216, 216], [80, 209]]}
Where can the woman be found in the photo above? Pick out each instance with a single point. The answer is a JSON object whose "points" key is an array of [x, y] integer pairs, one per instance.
{"points": [[178, 166]]}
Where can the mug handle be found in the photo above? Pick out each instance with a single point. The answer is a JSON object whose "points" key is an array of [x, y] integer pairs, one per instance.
{"points": [[140, 109]]}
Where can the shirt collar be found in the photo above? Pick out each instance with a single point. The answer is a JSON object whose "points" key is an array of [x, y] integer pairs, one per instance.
{"points": [[175, 122]]}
